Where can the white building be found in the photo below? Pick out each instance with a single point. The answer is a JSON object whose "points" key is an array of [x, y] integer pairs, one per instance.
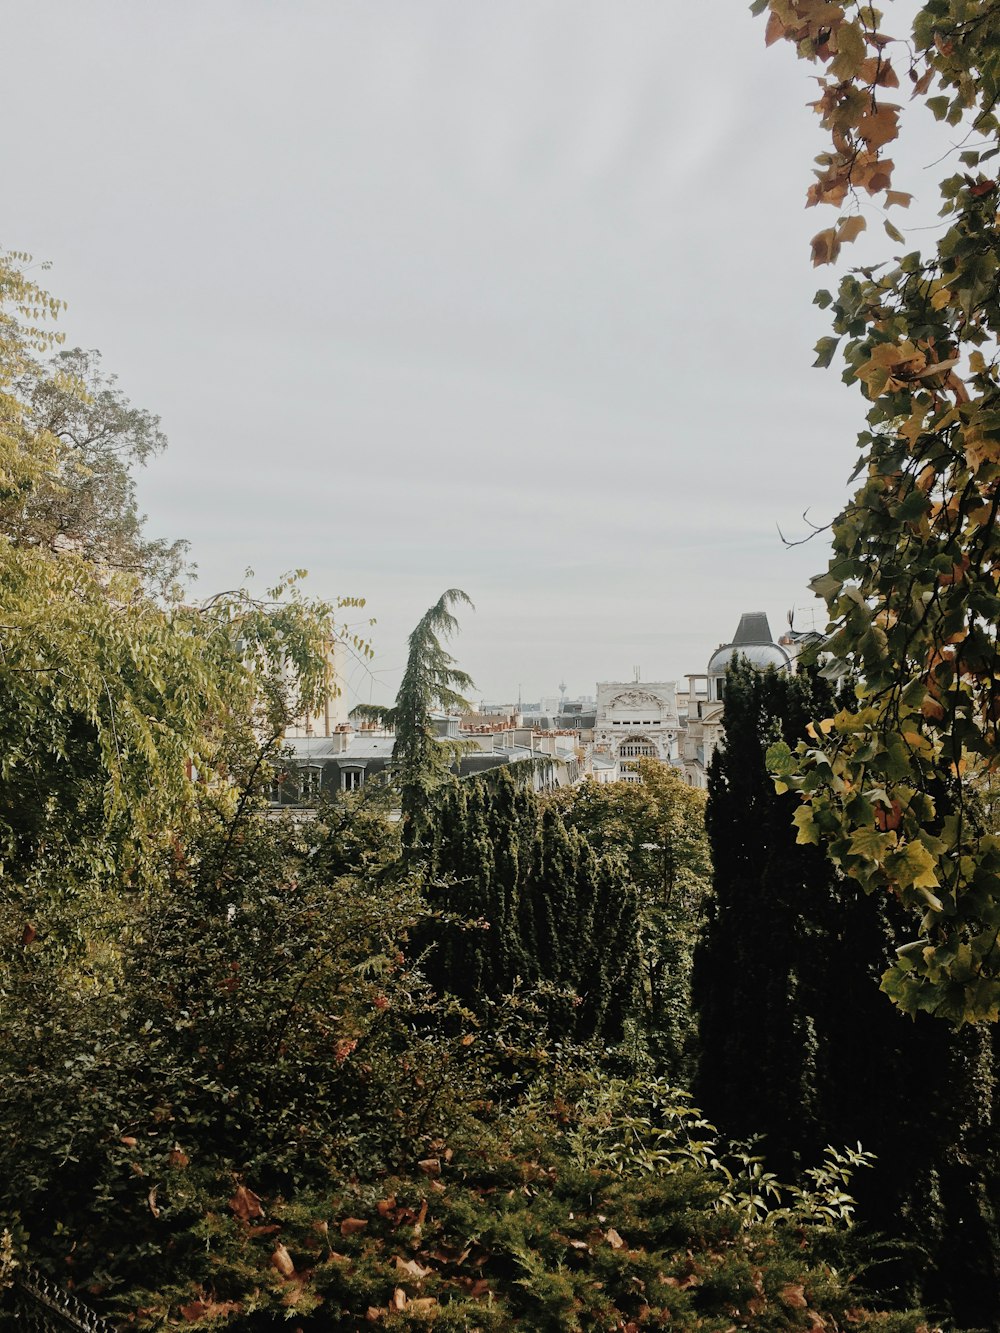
{"points": [[706, 690], [636, 721]]}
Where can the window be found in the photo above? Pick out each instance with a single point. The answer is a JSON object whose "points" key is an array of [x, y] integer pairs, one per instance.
{"points": [[637, 747], [310, 781], [352, 779]]}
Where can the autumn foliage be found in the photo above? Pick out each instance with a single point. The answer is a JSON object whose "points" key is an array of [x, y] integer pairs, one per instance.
{"points": [[898, 787]]}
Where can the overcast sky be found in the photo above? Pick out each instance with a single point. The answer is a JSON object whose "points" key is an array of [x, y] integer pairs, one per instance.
{"points": [[506, 295]]}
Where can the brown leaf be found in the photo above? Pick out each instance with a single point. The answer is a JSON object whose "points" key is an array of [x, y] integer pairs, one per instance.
{"points": [[245, 1204], [851, 228], [178, 1158], [423, 1303], [880, 126], [29, 934], [410, 1266], [385, 1206], [128, 1140], [282, 1261], [825, 247], [475, 1287], [793, 1294], [352, 1224], [208, 1309], [921, 85], [151, 1196], [256, 1232], [430, 1166], [398, 1300], [614, 1240], [774, 31]]}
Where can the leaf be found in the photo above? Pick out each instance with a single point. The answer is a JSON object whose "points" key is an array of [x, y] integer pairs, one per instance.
{"points": [[351, 1225], [245, 1204], [282, 1261], [411, 1268], [893, 233], [806, 825], [794, 1296], [851, 228], [430, 1166], [614, 1240], [825, 247], [898, 197], [774, 31], [850, 55], [880, 126], [208, 1309], [825, 349]]}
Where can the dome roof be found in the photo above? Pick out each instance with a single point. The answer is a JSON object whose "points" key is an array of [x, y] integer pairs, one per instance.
{"points": [[759, 655]]}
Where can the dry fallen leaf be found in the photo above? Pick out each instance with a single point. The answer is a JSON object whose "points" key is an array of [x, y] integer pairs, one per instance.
{"points": [[613, 1239], [794, 1296], [412, 1268], [352, 1224], [245, 1204], [282, 1261]]}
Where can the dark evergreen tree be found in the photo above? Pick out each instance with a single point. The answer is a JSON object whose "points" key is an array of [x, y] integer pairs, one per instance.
{"points": [[798, 1044], [527, 902]]}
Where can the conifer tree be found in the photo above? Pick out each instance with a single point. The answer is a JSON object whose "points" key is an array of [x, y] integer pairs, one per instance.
{"points": [[798, 1045], [538, 908], [420, 761]]}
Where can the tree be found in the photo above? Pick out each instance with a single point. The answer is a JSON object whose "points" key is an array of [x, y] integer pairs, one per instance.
{"points": [[892, 784], [797, 1045], [528, 903], [87, 504], [420, 762], [111, 700], [656, 830]]}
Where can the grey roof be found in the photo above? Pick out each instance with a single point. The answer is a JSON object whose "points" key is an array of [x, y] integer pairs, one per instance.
{"points": [[760, 655], [330, 747], [753, 628]]}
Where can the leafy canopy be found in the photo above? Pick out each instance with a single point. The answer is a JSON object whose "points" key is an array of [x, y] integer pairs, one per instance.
{"points": [[894, 785]]}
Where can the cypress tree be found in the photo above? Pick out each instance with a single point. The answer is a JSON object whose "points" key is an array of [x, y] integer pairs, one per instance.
{"points": [[555, 915], [798, 1044]]}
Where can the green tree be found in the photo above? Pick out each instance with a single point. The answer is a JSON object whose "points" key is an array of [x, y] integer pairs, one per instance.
{"points": [[892, 784], [420, 761], [655, 830], [529, 904], [797, 1045], [87, 503]]}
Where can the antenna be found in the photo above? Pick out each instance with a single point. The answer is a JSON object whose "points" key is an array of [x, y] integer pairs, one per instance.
{"points": [[635, 672], [790, 617]]}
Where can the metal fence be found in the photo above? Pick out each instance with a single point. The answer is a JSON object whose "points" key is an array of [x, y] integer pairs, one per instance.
{"points": [[37, 1305]]}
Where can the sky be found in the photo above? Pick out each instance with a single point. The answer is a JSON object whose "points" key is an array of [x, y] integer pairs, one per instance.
{"points": [[511, 297]]}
